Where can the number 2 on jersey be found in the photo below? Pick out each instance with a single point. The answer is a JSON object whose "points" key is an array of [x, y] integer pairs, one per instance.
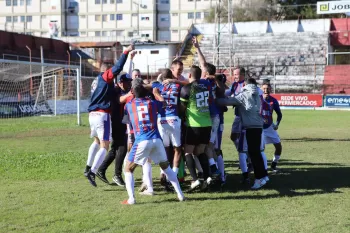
{"points": [[142, 112], [202, 99]]}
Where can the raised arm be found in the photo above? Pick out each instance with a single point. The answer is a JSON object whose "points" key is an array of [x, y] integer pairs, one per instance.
{"points": [[201, 57], [132, 55]]}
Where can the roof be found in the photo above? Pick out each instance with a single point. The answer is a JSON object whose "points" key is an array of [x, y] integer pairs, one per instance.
{"points": [[152, 43], [95, 44]]}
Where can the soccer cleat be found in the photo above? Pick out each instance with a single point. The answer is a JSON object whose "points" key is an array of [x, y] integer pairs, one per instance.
{"points": [[101, 175], [91, 177], [259, 183], [195, 184], [266, 178], [168, 188], [215, 175], [205, 185], [126, 202], [119, 180], [200, 176], [181, 198], [274, 167], [250, 167], [163, 181], [87, 169], [143, 187], [245, 178], [147, 193]]}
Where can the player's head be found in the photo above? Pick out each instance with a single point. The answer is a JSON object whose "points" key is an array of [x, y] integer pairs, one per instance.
{"points": [[266, 88], [124, 81], [138, 89], [166, 74], [239, 74], [136, 73], [251, 81], [104, 67], [209, 69], [177, 68], [195, 73]]}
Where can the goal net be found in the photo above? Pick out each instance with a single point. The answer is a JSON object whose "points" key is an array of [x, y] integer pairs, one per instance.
{"points": [[35, 89]]}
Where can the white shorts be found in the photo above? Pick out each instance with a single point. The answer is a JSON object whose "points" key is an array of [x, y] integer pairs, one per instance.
{"points": [[243, 145], [142, 151], [215, 124], [131, 137], [236, 125], [170, 130], [100, 125], [271, 136]]}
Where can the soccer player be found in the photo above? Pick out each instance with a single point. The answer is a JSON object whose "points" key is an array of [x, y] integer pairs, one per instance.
{"points": [[248, 103], [177, 68], [119, 137], [195, 98], [142, 112], [169, 123], [102, 93], [270, 104]]}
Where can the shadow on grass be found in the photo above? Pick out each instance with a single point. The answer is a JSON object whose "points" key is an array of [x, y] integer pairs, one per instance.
{"points": [[316, 139]]}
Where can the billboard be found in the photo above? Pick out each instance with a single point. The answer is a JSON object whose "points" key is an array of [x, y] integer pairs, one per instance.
{"points": [[299, 100], [342, 101], [333, 7]]}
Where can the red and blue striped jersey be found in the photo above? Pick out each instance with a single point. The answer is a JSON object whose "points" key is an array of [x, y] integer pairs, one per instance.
{"points": [[142, 113], [171, 95], [268, 105]]}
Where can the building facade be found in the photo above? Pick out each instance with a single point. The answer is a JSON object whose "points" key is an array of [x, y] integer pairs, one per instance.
{"points": [[104, 20]]}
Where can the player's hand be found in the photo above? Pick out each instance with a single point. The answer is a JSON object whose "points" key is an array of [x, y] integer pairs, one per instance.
{"points": [[195, 42], [132, 54], [275, 127], [130, 48]]}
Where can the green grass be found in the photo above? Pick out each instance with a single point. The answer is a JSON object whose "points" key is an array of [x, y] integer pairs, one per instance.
{"points": [[42, 188]]}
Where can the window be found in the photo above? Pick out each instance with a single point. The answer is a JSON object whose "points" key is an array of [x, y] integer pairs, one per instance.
{"points": [[83, 33], [174, 31], [111, 17], [97, 2], [145, 18], [154, 51], [119, 16], [15, 3], [29, 18], [190, 15], [117, 33], [8, 19], [23, 18], [104, 18], [73, 5], [164, 1], [164, 19], [97, 33], [8, 2], [21, 2], [15, 19], [144, 35], [104, 1], [119, 1], [97, 18], [175, 14], [206, 14], [29, 2], [198, 15], [112, 1], [104, 33]]}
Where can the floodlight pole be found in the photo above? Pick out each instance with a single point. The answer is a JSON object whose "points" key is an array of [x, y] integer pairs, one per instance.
{"points": [[30, 71], [42, 67], [78, 97]]}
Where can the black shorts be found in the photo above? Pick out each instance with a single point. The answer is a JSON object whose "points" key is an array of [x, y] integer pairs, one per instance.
{"points": [[197, 135]]}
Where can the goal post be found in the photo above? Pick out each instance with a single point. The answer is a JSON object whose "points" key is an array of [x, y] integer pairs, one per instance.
{"points": [[41, 89]]}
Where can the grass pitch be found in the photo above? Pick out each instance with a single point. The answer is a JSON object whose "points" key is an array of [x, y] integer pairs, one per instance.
{"points": [[42, 187]]}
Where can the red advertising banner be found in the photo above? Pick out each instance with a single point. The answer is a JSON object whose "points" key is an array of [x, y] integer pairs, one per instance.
{"points": [[301, 100]]}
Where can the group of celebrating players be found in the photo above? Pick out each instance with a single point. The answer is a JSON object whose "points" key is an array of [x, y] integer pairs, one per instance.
{"points": [[161, 121]]}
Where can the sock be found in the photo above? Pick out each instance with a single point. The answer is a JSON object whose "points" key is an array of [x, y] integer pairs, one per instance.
{"points": [[129, 184], [100, 156], [173, 180], [213, 167], [203, 159], [176, 170], [147, 176], [276, 158], [92, 152], [243, 162], [221, 167], [265, 159], [191, 166], [198, 164]]}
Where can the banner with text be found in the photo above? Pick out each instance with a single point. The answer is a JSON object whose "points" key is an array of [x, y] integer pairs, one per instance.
{"points": [[22, 109], [333, 7], [342, 101], [299, 100]]}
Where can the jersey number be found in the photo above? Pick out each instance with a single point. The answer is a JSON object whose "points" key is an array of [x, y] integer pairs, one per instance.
{"points": [[142, 112], [202, 99], [170, 98]]}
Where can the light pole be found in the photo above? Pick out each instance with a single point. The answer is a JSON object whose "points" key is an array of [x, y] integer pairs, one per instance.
{"points": [[138, 17]]}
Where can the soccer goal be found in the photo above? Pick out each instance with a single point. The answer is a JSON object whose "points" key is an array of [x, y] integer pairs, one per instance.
{"points": [[29, 89]]}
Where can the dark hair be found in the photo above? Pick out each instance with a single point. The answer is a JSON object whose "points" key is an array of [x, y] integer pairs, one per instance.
{"points": [[241, 70], [177, 62], [266, 83], [139, 91], [166, 74], [137, 70], [251, 81], [196, 72], [211, 69]]}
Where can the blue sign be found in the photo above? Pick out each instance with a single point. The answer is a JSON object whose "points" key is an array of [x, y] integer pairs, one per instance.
{"points": [[337, 101]]}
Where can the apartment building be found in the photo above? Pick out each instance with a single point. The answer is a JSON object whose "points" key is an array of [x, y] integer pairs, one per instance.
{"points": [[104, 20]]}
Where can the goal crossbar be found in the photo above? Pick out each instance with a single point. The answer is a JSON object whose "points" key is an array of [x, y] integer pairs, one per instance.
{"points": [[39, 64]]}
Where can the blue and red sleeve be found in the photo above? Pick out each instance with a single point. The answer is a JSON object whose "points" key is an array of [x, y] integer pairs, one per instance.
{"points": [[277, 109], [109, 74]]}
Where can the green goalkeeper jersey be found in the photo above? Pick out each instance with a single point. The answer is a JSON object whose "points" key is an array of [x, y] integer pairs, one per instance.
{"points": [[197, 95]]}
